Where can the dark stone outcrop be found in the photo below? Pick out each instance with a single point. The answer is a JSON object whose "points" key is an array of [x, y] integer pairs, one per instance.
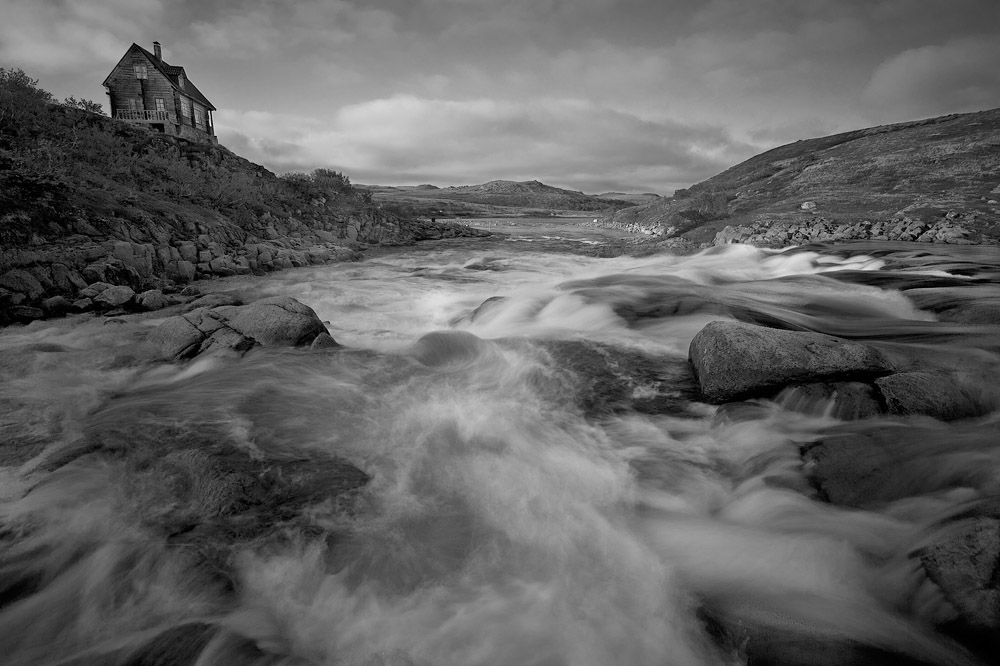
{"points": [[964, 565], [867, 464], [733, 360], [935, 395], [275, 321]]}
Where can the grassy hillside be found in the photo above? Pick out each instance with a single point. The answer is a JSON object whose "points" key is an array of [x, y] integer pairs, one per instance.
{"points": [[86, 199], [495, 198], [922, 171]]}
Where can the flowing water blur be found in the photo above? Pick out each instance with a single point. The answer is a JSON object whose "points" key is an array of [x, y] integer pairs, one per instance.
{"points": [[495, 519]]}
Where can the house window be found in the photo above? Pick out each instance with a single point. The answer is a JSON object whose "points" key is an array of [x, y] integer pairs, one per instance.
{"points": [[133, 104], [140, 71], [199, 117], [159, 105], [186, 107]]}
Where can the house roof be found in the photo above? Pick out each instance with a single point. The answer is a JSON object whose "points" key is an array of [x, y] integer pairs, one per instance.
{"points": [[172, 74]]}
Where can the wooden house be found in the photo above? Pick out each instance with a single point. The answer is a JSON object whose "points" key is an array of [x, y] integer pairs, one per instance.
{"points": [[146, 90]]}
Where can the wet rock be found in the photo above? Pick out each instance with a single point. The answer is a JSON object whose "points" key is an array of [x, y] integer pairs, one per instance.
{"points": [[83, 304], [449, 349], [212, 301], [115, 296], [25, 313], [23, 282], [57, 305], [92, 290], [178, 337], [867, 464], [964, 565], [153, 299], [846, 401], [733, 360], [324, 341], [277, 321], [933, 395]]}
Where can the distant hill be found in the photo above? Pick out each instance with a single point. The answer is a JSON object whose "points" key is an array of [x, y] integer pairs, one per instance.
{"points": [[898, 179], [638, 199], [495, 198]]}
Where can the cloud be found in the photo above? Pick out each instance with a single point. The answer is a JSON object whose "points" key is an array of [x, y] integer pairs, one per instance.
{"points": [[267, 27], [55, 35], [960, 75], [568, 142]]}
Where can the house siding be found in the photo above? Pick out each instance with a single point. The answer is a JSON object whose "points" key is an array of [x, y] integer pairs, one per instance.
{"points": [[123, 86]]}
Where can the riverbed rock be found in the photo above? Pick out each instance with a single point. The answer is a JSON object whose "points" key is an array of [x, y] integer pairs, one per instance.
{"points": [[867, 464], [212, 300], [964, 566], [279, 320], [56, 306], [733, 360], [276, 321], [114, 296], [323, 341], [152, 299], [938, 396]]}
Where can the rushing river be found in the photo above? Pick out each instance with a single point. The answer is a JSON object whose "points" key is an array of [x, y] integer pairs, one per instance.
{"points": [[507, 464]]}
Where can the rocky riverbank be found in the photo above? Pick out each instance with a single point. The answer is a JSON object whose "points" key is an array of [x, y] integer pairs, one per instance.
{"points": [[784, 232]]}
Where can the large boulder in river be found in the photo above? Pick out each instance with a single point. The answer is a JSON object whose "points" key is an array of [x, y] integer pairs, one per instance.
{"points": [[733, 360], [276, 321]]}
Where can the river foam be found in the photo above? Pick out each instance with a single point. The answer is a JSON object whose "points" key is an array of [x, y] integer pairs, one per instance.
{"points": [[440, 492]]}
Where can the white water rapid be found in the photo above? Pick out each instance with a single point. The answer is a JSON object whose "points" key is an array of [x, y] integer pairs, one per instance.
{"points": [[472, 489]]}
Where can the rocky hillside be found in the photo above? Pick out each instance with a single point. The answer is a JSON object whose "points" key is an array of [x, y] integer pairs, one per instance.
{"points": [[495, 198], [85, 201], [935, 180]]}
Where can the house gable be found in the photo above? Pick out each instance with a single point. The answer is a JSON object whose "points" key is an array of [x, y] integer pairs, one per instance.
{"points": [[143, 88]]}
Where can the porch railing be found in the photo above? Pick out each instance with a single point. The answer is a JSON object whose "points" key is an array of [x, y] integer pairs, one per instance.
{"points": [[143, 116]]}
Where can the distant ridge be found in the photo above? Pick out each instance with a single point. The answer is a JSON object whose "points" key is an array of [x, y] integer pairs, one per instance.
{"points": [[918, 173], [496, 197]]}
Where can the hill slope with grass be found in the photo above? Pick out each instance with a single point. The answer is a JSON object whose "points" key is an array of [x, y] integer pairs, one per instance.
{"points": [[934, 180], [495, 198], [85, 199]]}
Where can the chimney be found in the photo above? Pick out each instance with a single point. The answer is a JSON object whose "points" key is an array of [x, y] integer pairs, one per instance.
{"points": [[157, 52]]}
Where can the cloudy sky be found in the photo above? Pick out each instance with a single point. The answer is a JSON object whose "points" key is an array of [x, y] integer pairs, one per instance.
{"points": [[593, 95]]}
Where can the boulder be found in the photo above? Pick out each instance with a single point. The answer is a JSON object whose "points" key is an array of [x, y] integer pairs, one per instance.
{"points": [[57, 305], [212, 301], [963, 564], [867, 464], [324, 341], [92, 290], [153, 299], [733, 360], [276, 321], [22, 282], [279, 320], [115, 296], [938, 396]]}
